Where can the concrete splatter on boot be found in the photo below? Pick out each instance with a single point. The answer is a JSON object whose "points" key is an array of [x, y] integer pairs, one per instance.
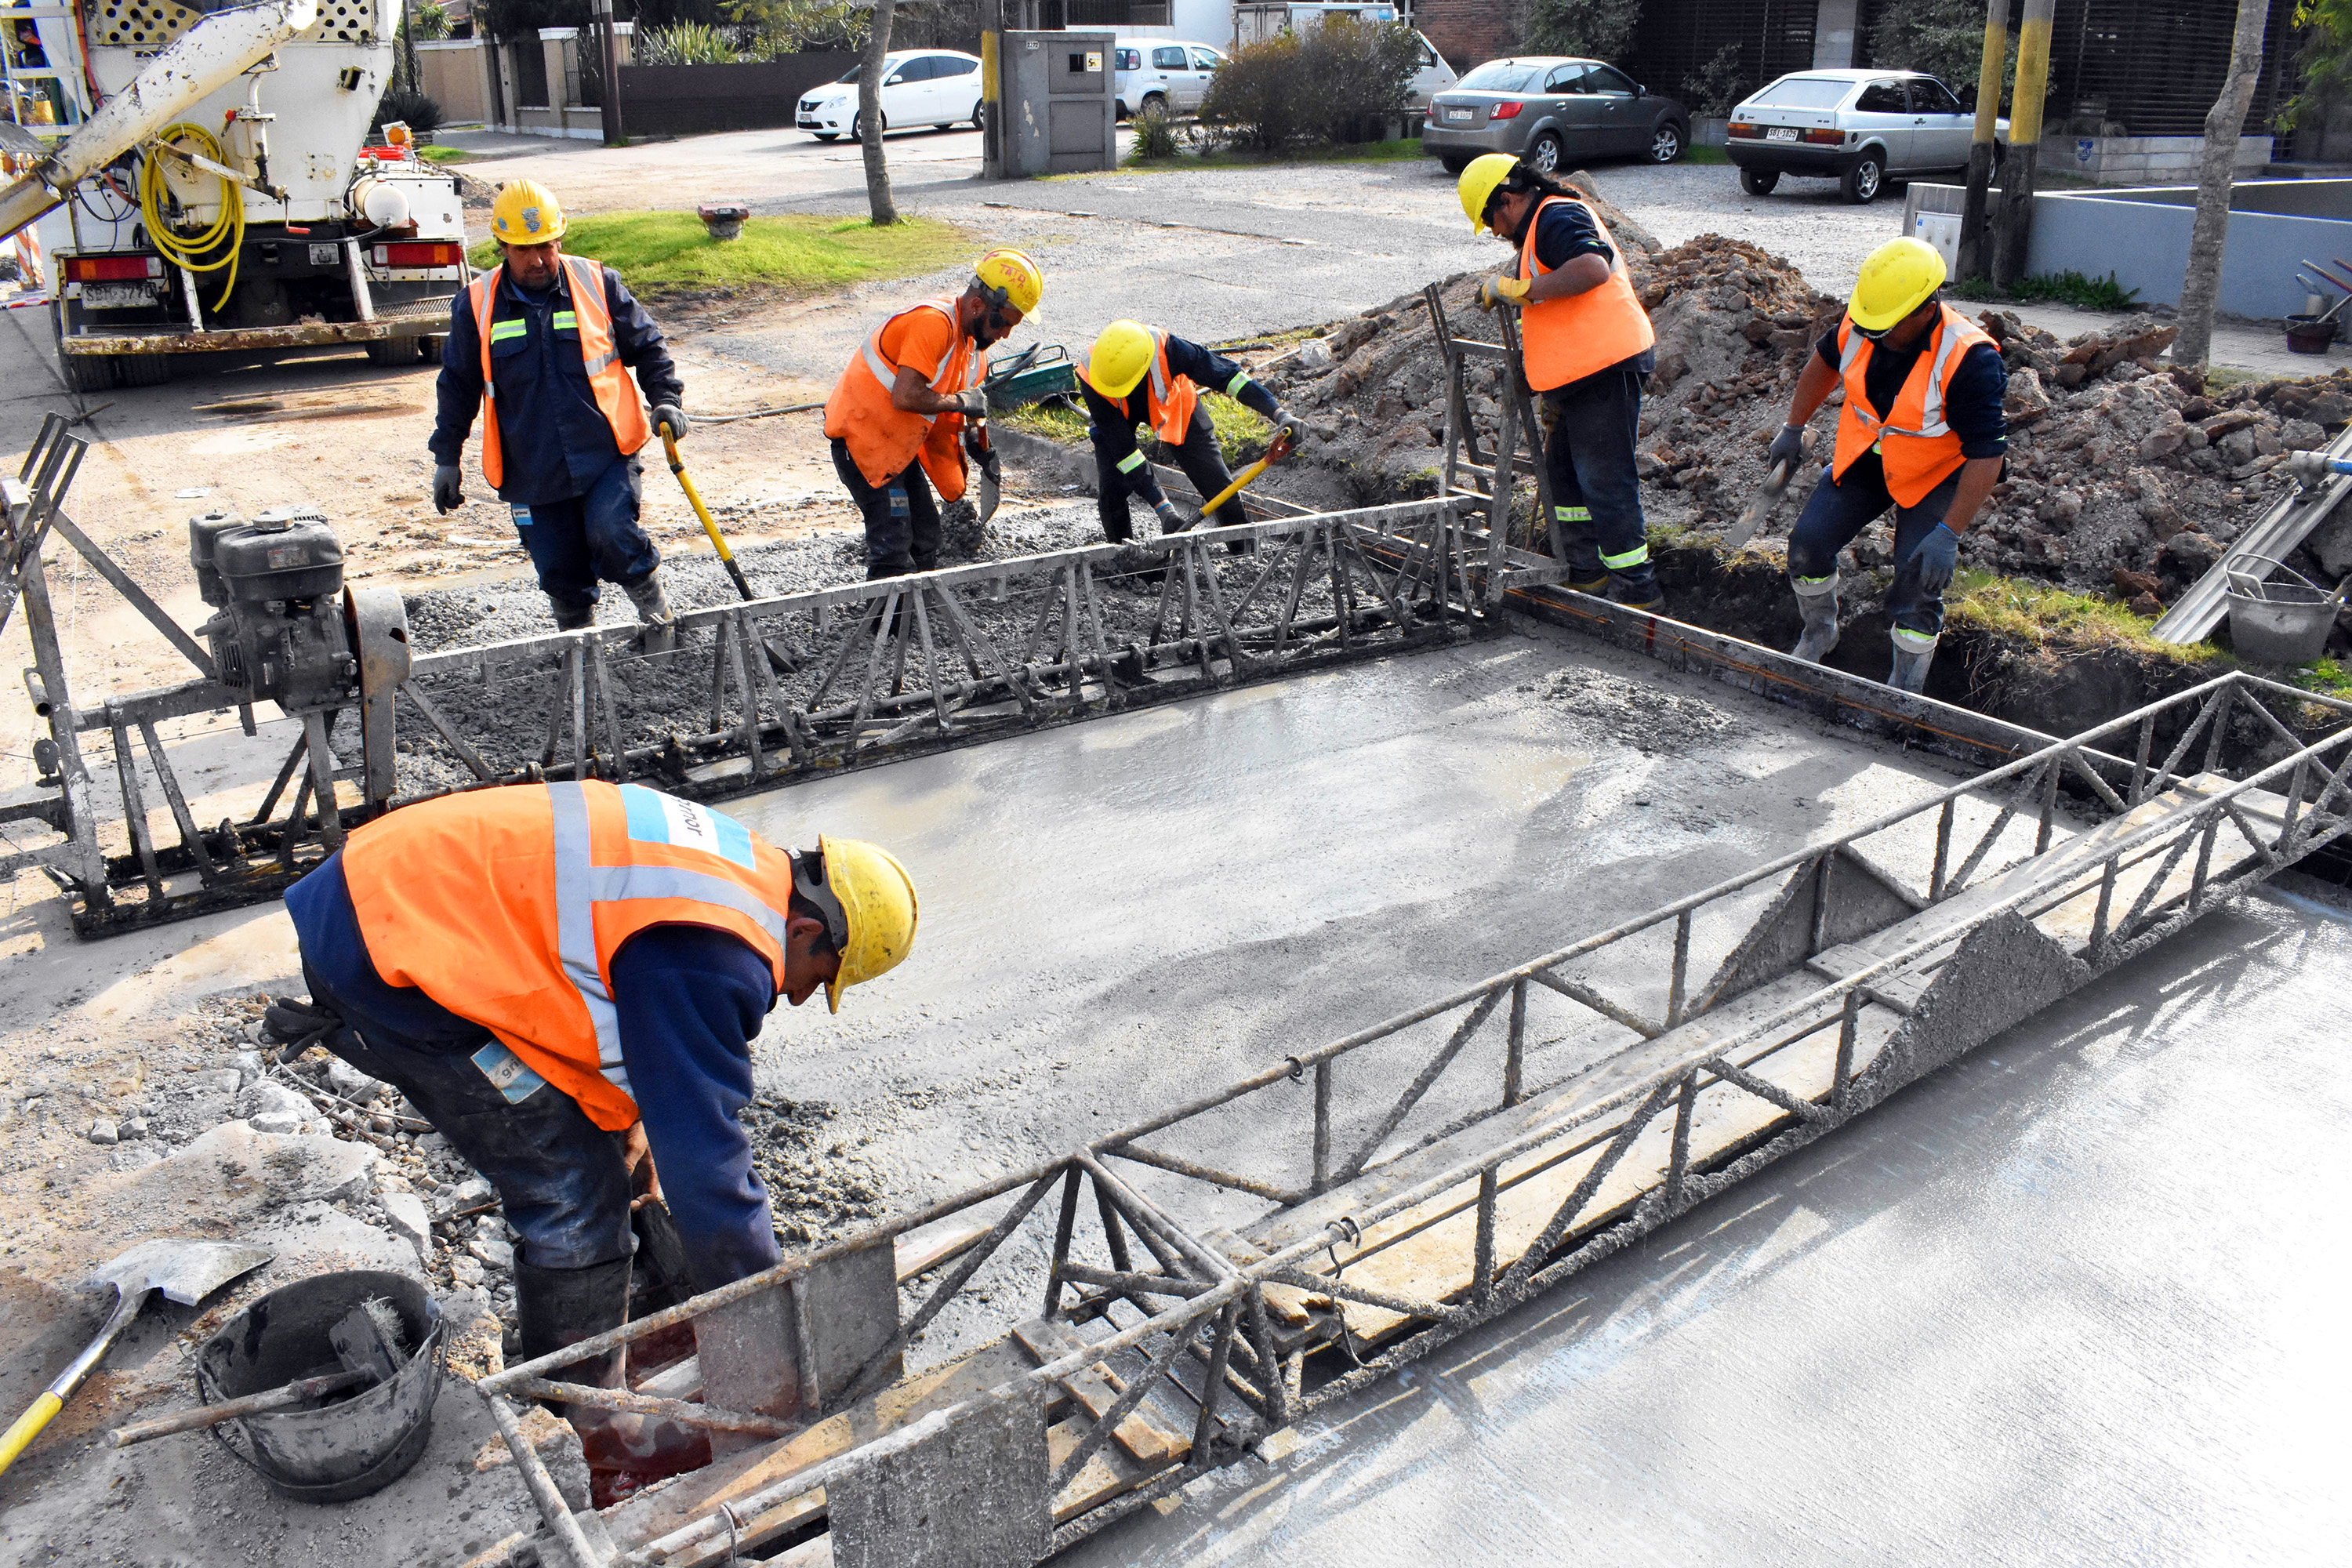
{"points": [[1817, 599], [1914, 652], [653, 609], [573, 617]]}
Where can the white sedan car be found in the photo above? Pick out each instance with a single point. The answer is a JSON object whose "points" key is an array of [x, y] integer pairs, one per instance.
{"points": [[920, 87]]}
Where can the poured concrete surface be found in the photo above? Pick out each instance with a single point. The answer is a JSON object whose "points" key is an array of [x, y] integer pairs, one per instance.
{"points": [[2077, 1299]]}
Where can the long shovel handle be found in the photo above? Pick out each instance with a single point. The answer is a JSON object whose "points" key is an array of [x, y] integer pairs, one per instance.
{"points": [[53, 1399], [1274, 455], [718, 541]]}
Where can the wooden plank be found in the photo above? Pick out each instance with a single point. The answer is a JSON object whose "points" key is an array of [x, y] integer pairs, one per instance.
{"points": [[1090, 1386], [1287, 1305], [1900, 990], [1101, 1479]]}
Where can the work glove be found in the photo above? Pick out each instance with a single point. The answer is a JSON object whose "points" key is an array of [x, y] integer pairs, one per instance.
{"points": [[1788, 447], [448, 489], [1501, 289], [1287, 428], [295, 1025], [972, 402], [1170, 520], [670, 416], [1935, 561]]}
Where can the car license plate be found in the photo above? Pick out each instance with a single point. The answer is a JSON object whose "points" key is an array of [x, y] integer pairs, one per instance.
{"points": [[1460, 116], [1780, 133], [116, 296]]}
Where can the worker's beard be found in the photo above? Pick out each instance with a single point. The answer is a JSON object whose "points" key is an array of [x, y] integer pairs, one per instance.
{"points": [[990, 328]]}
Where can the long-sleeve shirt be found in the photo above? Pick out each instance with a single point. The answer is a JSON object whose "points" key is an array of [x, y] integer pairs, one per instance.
{"points": [[554, 441], [691, 1000], [1112, 422]]}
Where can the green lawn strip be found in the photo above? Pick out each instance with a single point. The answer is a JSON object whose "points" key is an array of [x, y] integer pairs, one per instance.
{"points": [[796, 252], [445, 154], [2026, 611], [1696, 154], [1397, 151], [1240, 432]]}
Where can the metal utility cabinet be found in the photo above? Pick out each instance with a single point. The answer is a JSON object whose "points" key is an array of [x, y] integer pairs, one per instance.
{"points": [[1060, 105]]}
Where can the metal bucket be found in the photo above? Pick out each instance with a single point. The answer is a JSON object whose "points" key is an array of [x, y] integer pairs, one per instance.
{"points": [[2279, 622], [338, 1451]]}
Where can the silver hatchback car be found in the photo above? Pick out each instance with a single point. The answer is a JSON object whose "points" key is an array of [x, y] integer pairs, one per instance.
{"points": [[1550, 108], [1860, 128]]}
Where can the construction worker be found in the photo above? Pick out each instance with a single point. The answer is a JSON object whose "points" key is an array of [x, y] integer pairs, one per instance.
{"points": [[1586, 345], [901, 406], [1921, 431], [565, 980], [544, 344], [1137, 374]]}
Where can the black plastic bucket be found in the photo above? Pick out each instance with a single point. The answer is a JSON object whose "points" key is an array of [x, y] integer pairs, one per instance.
{"points": [[340, 1450]]}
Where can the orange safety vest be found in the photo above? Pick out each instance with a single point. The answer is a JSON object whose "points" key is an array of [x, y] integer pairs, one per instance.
{"points": [[507, 906], [608, 378], [883, 439], [1572, 337], [1914, 442], [1167, 404]]}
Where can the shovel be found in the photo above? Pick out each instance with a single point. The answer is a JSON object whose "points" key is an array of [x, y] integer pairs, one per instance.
{"points": [[185, 1271], [1759, 506], [783, 663], [1242, 481]]}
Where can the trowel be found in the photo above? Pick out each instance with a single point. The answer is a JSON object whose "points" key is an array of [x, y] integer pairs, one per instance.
{"points": [[185, 1271], [1759, 505], [988, 488]]}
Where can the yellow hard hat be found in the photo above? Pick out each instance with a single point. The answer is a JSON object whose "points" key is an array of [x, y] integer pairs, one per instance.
{"points": [[875, 900], [1896, 280], [526, 212], [1122, 355], [1477, 185], [1010, 277]]}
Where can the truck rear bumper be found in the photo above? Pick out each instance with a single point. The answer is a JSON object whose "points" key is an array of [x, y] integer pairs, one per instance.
{"points": [[301, 335]]}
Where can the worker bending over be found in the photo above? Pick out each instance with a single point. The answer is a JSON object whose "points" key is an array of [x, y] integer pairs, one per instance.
{"points": [[901, 406], [544, 344], [1137, 374], [1921, 431], [1585, 343], [566, 979]]}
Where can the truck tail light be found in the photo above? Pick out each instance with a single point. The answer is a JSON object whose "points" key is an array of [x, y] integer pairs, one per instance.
{"points": [[1509, 111], [1825, 138], [419, 253], [112, 268]]}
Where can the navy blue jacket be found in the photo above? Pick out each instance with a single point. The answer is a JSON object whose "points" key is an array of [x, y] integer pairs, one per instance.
{"points": [[1112, 422], [691, 1000], [554, 440]]}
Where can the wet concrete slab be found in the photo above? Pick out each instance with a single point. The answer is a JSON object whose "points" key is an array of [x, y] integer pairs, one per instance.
{"points": [[2076, 1299]]}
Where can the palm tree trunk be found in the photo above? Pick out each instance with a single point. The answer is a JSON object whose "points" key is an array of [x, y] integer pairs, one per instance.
{"points": [[869, 117], [2201, 286]]}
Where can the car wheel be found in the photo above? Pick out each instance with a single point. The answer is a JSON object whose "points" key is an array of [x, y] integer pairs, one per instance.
{"points": [[1864, 179], [1154, 103], [825, 135], [1453, 163], [979, 109], [1666, 142], [1759, 181], [857, 127], [1543, 153]]}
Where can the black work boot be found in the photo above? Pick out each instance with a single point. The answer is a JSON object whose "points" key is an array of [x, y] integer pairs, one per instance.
{"points": [[573, 617], [559, 1307]]}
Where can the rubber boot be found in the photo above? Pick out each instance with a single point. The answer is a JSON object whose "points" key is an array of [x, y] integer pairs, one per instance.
{"points": [[573, 617], [653, 609], [1638, 590], [1913, 655], [1817, 599], [559, 1307], [1596, 586]]}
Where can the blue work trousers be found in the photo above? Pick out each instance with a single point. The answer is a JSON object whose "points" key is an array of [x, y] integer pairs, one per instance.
{"points": [[1838, 513], [559, 1177], [902, 516], [1596, 496], [575, 543]]}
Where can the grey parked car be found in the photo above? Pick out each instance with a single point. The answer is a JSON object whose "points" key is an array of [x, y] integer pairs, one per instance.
{"points": [[1552, 108], [1860, 128]]}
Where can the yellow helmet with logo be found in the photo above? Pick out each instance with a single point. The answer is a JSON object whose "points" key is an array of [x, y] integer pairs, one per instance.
{"points": [[526, 212], [1122, 355], [1477, 187], [1008, 277], [869, 902], [1897, 279]]}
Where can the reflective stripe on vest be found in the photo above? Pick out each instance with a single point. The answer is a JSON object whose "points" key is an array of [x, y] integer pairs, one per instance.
{"points": [[508, 907], [1576, 335], [608, 380], [882, 437], [1914, 442], [1168, 400]]}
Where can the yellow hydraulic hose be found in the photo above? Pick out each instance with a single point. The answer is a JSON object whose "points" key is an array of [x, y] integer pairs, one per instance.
{"points": [[230, 225]]}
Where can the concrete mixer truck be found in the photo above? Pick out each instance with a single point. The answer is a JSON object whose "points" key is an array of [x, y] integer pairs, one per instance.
{"points": [[192, 180]]}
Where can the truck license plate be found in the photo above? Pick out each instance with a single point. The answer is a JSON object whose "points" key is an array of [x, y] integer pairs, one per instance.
{"points": [[116, 296], [1780, 133]]}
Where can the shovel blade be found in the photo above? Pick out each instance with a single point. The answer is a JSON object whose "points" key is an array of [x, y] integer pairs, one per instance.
{"points": [[1760, 507], [185, 1271]]}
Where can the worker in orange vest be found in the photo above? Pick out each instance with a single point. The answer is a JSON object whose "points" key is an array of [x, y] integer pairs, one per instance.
{"points": [[901, 409], [1585, 347], [1922, 431], [565, 979], [543, 345]]}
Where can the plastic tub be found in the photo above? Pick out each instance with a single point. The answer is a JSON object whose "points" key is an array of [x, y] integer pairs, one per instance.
{"points": [[2309, 334], [2279, 622]]}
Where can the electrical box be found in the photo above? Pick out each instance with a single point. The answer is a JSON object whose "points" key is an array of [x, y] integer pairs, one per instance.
{"points": [[1060, 102]]}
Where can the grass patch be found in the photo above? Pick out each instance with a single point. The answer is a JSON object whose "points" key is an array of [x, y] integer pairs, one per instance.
{"points": [[2025, 610], [656, 251], [445, 154], [1239, 431], [2219, 376], [1698, 155], [2069, 288], [1400, 150], [1054, 419]]}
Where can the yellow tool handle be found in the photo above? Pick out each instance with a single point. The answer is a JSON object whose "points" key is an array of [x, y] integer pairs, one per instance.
{"points": [[678, 466], [28, 1426], [1240, 482]]}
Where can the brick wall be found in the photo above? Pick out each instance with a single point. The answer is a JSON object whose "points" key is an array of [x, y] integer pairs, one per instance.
{"points": [[1468, 31]]}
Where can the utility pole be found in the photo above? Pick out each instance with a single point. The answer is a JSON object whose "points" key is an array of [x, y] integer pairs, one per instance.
{"points": [[992, 161], [2024, 141], [1973, 210], [616, 135]]}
